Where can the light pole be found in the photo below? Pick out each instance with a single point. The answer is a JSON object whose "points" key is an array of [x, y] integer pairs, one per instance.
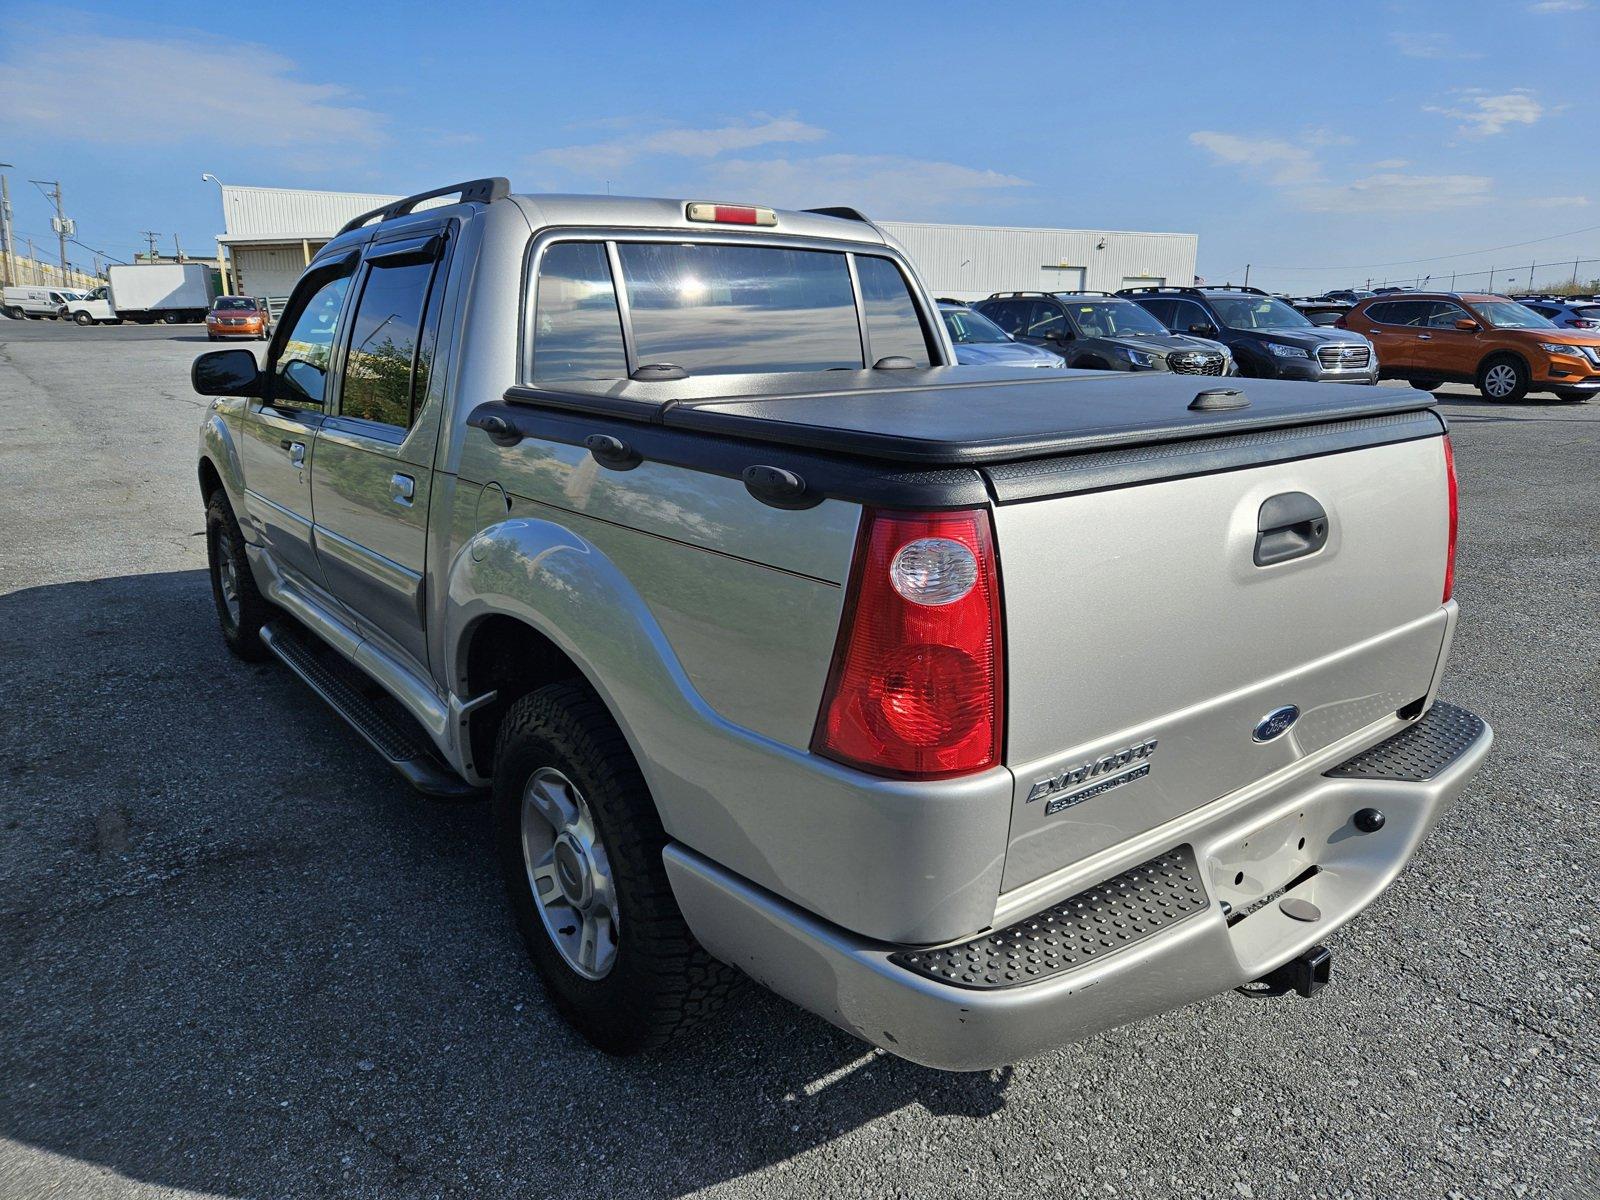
{"points": [[7, 252], [222, 265]]}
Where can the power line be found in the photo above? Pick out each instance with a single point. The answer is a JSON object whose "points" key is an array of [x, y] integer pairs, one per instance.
{"points": [[1408, 262]]}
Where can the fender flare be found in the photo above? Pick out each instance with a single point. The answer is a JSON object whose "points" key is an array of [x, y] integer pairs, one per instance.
{"points": [[566, 589], [218, 447]]}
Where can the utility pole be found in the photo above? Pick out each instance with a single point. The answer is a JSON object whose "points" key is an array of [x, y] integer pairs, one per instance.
{"points": [[8, 252], [1491, 279], [151, 235], [34, 267], [61, 223]]}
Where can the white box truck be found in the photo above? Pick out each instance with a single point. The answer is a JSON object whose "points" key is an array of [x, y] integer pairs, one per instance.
{"points": [[146, 292]]}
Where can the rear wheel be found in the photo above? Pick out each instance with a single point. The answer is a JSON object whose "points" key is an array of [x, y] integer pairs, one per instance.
{"points": [[241, 608], [1503, 378], [580, 847], [14, 313], [1426, 383], [171, 317]]}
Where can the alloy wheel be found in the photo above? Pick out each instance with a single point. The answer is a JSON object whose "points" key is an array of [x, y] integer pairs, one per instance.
{"points": [[569, 873]]}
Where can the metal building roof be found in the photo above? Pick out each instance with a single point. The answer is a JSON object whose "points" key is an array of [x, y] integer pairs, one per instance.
{"points": [[270, 214]]}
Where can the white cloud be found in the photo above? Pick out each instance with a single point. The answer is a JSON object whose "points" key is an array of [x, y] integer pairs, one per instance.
{"points": [[141, 91], [1395, 191], [597, 158], [1280, 162], [1560, 202], [1485, 114], [1301, 178], [1430, 45], [876, 183], [1558, 6]]}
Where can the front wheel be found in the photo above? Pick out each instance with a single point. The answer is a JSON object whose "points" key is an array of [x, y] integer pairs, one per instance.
{"points": [[1504, 379], [580, 844], [83, 318], [1425, 384], [241, 608]]}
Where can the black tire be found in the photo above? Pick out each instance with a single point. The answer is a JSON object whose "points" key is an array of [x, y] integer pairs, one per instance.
{"points": [[211, 337], [14, 313], [1572, 395], [1503, 367], [172, 317], [1423, 384], [660, 980], [225, 543], [82, 318]]}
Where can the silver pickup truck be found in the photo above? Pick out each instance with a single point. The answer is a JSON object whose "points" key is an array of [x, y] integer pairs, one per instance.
{"points": [[973, 709]]}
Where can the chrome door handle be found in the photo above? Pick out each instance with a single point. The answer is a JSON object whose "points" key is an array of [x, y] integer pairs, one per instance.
{"points": [[297, 453], [402, 488], [1424, 337]]}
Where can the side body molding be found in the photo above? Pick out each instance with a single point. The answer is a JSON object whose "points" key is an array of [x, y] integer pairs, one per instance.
{"points": [[796, 824]]}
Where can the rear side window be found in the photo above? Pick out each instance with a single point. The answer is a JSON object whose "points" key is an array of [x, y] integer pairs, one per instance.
{"points": [[1161, 310], [577, 333], [893, 327], [1008, 314], [719, 309], [382, 364]]}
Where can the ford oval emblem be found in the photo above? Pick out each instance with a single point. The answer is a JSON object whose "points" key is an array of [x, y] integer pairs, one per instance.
{"points": [[1276, 723]]}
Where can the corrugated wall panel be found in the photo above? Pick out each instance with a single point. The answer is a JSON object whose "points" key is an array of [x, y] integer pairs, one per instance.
{"points": [[262, 212], [972, 261]]}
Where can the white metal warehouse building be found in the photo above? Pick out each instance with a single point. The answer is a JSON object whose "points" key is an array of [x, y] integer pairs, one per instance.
{"points": [[271, 234]]}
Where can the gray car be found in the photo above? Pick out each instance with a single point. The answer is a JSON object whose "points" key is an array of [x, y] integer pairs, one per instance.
{"points": [[1567, 312], [672, 532], [1099, 331]]}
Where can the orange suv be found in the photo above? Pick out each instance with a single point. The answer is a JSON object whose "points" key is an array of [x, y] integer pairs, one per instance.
{"points": [[1431, 338]]}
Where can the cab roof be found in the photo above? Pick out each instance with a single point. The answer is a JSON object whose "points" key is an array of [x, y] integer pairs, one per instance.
{"points": [[635, 212]]}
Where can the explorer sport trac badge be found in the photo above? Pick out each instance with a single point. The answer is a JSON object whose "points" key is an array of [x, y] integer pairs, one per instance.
{"points": [[1090, 779]]}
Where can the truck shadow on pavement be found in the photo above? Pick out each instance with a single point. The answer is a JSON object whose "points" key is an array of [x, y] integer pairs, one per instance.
{"points": [[239, 957]]}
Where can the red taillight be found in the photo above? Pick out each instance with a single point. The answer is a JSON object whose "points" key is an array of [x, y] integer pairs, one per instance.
{"points": [[1450, 550], [916, 684]]}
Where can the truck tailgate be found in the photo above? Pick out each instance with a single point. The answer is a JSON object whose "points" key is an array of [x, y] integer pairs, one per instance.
{"points": [[1137, 614]]}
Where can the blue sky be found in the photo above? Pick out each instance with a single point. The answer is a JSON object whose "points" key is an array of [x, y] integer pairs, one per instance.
{"points": [[1288, 136]]}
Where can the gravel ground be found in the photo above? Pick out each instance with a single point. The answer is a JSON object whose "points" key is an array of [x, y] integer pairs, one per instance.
{"points": [[238, 958]]}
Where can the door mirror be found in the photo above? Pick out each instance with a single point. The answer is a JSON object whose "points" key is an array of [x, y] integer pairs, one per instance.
{"points": [[1467, 325], [1203, 329], [226, 373]]}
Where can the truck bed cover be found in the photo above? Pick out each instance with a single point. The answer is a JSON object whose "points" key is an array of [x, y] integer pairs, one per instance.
{"points": [[970, 416]]}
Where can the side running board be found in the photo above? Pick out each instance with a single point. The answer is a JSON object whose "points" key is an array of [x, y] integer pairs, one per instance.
{"points": [[372, 713]]}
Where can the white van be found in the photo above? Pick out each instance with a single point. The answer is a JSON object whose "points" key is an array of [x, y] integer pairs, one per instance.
{"points": [[31, 300]]}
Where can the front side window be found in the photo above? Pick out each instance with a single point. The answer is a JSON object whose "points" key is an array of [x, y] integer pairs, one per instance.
{"points": [[717, 309], [1257, 312], [577, 333], [1187, 316], [1504, 314], [300, 375], [383, 366], [893, 326], [1045, 319], [1444, 315]]}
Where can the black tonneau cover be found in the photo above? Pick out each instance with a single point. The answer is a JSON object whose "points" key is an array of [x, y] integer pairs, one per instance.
{"points": [[969, 416]]}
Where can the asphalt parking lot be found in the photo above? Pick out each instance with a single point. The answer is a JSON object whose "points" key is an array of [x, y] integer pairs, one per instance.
{"points": [[239, 958]]}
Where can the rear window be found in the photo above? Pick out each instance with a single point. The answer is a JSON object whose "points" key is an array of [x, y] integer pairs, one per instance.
{"points": [[719, 310]]}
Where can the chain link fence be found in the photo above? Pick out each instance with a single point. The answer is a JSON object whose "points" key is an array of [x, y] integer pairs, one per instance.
{"points": [[1572, 277]]}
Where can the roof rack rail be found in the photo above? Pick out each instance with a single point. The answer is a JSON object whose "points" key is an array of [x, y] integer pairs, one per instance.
{"points": [[1083, 292], [472, 191], [949, 300], [1199, 290]]}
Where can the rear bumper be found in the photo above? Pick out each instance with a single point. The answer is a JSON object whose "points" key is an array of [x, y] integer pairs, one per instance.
{"points": [[892, 996]]}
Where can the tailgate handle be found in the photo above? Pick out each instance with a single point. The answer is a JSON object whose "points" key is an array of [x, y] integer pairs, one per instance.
{"points": [[1290, 525]]}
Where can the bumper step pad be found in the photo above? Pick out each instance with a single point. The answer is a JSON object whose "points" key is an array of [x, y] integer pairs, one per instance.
{"points": [[1108, 917], [1417, 754], [371, 712]]}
